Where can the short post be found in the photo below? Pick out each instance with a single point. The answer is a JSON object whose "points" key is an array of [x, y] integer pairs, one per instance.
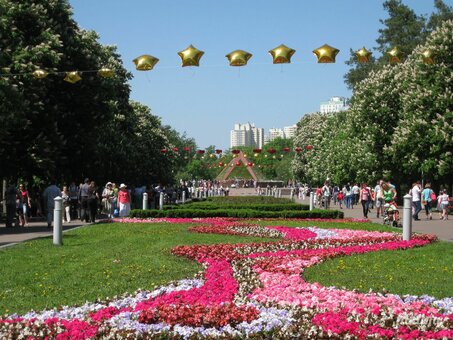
{"points": [[145, 201], [407, 217], [312, 198], [280, 193], [183, 197], [292, 195], [57, 222], [161, 201]]}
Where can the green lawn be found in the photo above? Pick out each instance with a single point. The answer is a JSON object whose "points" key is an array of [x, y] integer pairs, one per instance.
{"points": [[108, 259], [97, 261], [418, 271]]}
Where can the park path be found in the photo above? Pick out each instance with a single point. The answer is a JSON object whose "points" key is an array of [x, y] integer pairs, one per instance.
{"points": [[38, 229], [443, 229]]}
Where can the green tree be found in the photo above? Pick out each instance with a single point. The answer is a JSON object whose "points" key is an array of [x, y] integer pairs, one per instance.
{"points": [[53, 132], [403, 28]]}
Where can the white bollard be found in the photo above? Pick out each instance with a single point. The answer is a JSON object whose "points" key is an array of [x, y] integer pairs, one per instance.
{"points": [[312, 199], [57, 222], [292, 195], [183, 197], [161, 201], [407, 217], [145, 201]]}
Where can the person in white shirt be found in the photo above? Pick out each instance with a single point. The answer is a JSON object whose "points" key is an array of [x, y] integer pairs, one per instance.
{"points": [[416, 202], [443, 202]]}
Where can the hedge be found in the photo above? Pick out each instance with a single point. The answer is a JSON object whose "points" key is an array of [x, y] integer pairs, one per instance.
{"points": [[248, 200], [240, 213], [214, 206]]}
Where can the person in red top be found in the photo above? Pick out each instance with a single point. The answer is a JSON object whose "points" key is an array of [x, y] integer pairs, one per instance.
{"points": [[124, 201], [365, 198], [25, 201]]}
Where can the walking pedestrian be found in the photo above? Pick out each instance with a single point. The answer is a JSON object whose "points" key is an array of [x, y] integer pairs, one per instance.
{"points": [[427, 201], [416, 202], [92, 201], [48, 196], [65, 196], [124, 201], [365, 198], [26, 203], [83, 200], [443, 202]]}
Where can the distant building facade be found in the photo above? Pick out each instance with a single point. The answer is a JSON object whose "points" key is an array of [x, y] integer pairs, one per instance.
{"points": [[246, 135], [286, 132], [335, 104]]}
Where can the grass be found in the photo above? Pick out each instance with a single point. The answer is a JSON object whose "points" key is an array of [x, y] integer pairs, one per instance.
{"points": [[418, 271], [97, 262], [109, 259]]}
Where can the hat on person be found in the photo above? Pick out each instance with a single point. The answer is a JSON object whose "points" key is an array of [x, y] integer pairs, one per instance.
{"points": [[123, 186], [108, 183]]}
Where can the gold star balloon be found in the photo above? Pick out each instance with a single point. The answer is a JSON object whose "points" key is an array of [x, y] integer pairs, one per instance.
{"points": [[106, 72], [326, 54], [428, 56], [190, 56], [145, 62], [72, 77], [238, 58], [363, 55], [40, 74], [395, 55], [282, 54]]}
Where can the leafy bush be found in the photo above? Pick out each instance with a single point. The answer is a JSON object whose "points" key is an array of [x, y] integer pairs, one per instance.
{"points": [[248, 200], [239, 213], [215, 206]]}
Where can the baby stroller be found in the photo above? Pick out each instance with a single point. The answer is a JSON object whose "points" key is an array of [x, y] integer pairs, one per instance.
{"points": [[391, 214]]}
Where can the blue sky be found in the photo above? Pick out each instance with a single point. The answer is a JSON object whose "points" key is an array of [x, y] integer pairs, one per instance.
{"points": [[206, 101]]}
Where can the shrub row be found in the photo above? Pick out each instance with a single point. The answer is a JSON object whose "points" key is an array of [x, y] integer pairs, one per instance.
{"points": [[214, 206], [249, 200], [240, 213]]}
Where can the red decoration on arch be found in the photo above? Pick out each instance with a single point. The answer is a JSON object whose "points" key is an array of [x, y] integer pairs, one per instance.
{"points": [[298, 150], [200, 152], [257, 150], [187, 149], [238, 163], [218, 151], [163, 150], [309, 147], [271, 150], [221, 163], [286, 149], [236, 152], [175, 149]]}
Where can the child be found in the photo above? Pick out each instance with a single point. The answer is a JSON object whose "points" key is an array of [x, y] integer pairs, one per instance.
{"points": [[340, 198]]}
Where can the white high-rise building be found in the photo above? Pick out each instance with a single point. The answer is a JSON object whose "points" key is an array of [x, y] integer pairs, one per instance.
{"points": [[275, 133], [246, 135], [335, 104], [290, 131]]}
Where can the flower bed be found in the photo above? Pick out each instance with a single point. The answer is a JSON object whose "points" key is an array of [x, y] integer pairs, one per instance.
{"points": [[254, 289]]}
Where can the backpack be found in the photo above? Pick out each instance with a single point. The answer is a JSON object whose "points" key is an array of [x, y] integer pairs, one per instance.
{"points": [[433, 196]]}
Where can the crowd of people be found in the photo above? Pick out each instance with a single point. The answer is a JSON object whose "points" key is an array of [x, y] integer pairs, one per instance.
{"points": [[380, 196], [87, 200]]}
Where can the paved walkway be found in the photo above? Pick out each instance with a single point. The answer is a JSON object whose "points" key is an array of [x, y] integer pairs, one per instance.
{"points": [[443, 229], [37, 228]]}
